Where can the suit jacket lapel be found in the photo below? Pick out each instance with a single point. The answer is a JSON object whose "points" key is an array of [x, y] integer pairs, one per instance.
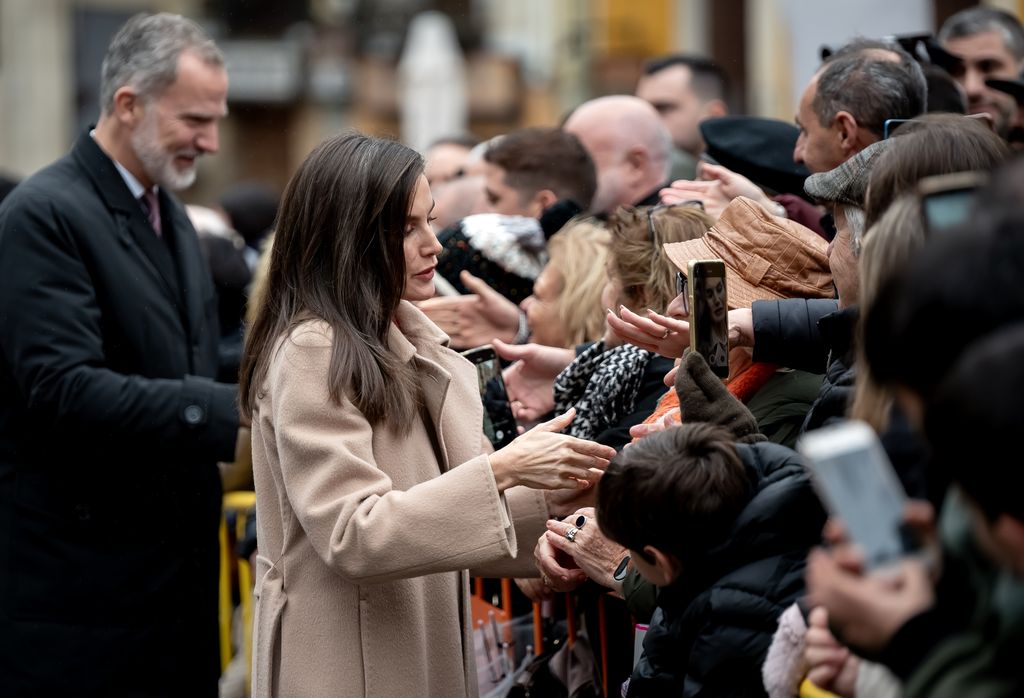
{"points": [[133, 228]]}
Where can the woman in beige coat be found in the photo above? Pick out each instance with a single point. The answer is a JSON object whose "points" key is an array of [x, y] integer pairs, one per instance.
{"points": [[374, 492]]}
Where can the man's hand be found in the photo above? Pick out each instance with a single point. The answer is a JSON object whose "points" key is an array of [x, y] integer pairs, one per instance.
{"points": [[530, 379], [475, 319]]}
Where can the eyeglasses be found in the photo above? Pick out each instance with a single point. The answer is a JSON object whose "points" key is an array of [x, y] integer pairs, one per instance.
{"points": [[651, 210], [681, 290]]}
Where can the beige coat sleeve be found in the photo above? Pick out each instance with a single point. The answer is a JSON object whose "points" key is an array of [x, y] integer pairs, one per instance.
{"points": [[363, 528], [529, 511]]}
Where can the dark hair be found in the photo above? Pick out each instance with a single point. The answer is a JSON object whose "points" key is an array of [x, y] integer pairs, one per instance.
{"points": [[707, 80], [863, 79], [933, 144], [944, 94], [976, 418], [679, 490], [545, 158], [961, 286], [252, 208], [338, 256], [978, 20]]}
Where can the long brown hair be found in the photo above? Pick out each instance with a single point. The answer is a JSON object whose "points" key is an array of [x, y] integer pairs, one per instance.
{"points": [[338, 256]]}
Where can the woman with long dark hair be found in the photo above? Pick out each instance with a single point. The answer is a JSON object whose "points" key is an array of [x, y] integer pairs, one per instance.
{"points": [[374, 492]]}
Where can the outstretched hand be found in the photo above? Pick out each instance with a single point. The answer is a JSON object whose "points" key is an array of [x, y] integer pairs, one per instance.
{"points": [[474, 319], [545, 459], [657, 333], [530, 379]]}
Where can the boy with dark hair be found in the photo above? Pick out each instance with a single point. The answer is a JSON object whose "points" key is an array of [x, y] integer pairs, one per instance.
{"points": [[528, 170], [723, 529]]}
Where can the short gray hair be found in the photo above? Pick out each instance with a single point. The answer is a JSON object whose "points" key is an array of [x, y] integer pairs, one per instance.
{"points": [[855, 224], [144, 54], [979, 20], [864, 81]]}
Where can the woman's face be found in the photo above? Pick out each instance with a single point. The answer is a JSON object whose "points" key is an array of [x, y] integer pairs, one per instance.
{"points": [[421, 246], [714, 297], [542, 308]]}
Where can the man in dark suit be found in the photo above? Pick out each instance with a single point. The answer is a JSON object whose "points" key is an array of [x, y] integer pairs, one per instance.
{"points": [[111, 424]]}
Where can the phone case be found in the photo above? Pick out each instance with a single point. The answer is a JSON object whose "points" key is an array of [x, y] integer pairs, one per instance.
{"points": [[709, 313], [499, 423]]}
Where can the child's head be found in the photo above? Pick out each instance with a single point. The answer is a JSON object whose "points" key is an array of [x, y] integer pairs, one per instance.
{"points": [[671, 496], [974, 423]]}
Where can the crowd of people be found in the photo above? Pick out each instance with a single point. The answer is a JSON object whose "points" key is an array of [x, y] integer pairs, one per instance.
{"points": [[872, 258]]}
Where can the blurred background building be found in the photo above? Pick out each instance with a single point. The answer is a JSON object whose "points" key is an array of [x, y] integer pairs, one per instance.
{"points": [[303, 69]]}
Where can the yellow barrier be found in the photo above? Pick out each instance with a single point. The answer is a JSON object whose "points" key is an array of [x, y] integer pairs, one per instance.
{"points": [[809, 690], [241, 505]]}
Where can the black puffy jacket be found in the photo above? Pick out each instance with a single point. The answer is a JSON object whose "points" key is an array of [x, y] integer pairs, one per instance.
{"points": [[711, 631]]}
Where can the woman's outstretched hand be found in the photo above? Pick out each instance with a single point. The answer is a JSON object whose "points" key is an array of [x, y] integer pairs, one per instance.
{"points": [[545, 459]]}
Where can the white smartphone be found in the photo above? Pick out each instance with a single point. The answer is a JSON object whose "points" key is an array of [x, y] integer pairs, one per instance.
{"points": [[856, 481]]}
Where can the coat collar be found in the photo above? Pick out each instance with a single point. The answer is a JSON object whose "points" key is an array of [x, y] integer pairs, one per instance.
{"points": [[414, 332]]}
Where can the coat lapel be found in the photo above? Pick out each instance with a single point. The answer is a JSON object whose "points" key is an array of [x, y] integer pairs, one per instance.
{"points": [[186, 249], [133, 229]]}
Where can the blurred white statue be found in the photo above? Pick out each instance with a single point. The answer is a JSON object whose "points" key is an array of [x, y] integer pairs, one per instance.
{"points": [[431, 82]]}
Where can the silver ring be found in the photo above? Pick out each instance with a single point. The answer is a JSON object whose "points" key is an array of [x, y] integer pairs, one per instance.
{"points": [[545, 580], [667, 333], [581, 521], [571, 534]]}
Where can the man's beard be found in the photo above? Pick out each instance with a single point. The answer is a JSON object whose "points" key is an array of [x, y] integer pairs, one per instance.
{"points": [[158, 163]]}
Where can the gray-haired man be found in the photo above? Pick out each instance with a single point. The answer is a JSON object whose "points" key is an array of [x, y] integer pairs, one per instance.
{"points": [[111, 424]]}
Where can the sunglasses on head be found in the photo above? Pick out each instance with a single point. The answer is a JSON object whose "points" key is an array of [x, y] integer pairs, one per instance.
{"points": [[652, 230]]}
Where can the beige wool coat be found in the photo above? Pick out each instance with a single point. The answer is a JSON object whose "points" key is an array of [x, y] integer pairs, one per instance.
{"points": [[366, 535]]}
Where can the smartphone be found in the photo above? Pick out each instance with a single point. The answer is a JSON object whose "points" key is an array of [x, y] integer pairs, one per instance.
{"points": [[709, 313], [891, 125], [853, 476], [499, 423], [947, 200]]}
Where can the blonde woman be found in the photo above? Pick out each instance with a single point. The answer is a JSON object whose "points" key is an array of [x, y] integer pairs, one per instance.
{"points": [[565, 308]]}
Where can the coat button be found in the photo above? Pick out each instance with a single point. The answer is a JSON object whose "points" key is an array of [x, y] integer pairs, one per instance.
{"points": [[193, 414], [83, 512]]}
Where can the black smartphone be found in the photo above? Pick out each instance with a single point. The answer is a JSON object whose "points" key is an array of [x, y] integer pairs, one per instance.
{"points": [[947, 200], [499, 423], [709, 313]]}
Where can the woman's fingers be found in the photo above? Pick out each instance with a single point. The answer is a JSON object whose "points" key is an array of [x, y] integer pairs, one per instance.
{"points": [[642, 323]]}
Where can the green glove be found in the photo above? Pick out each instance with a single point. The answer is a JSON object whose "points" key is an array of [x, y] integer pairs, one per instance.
{"points": [[704, 398]]}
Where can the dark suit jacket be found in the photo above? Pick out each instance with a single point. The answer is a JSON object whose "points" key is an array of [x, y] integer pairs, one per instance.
{"points": [[110, 429]]}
